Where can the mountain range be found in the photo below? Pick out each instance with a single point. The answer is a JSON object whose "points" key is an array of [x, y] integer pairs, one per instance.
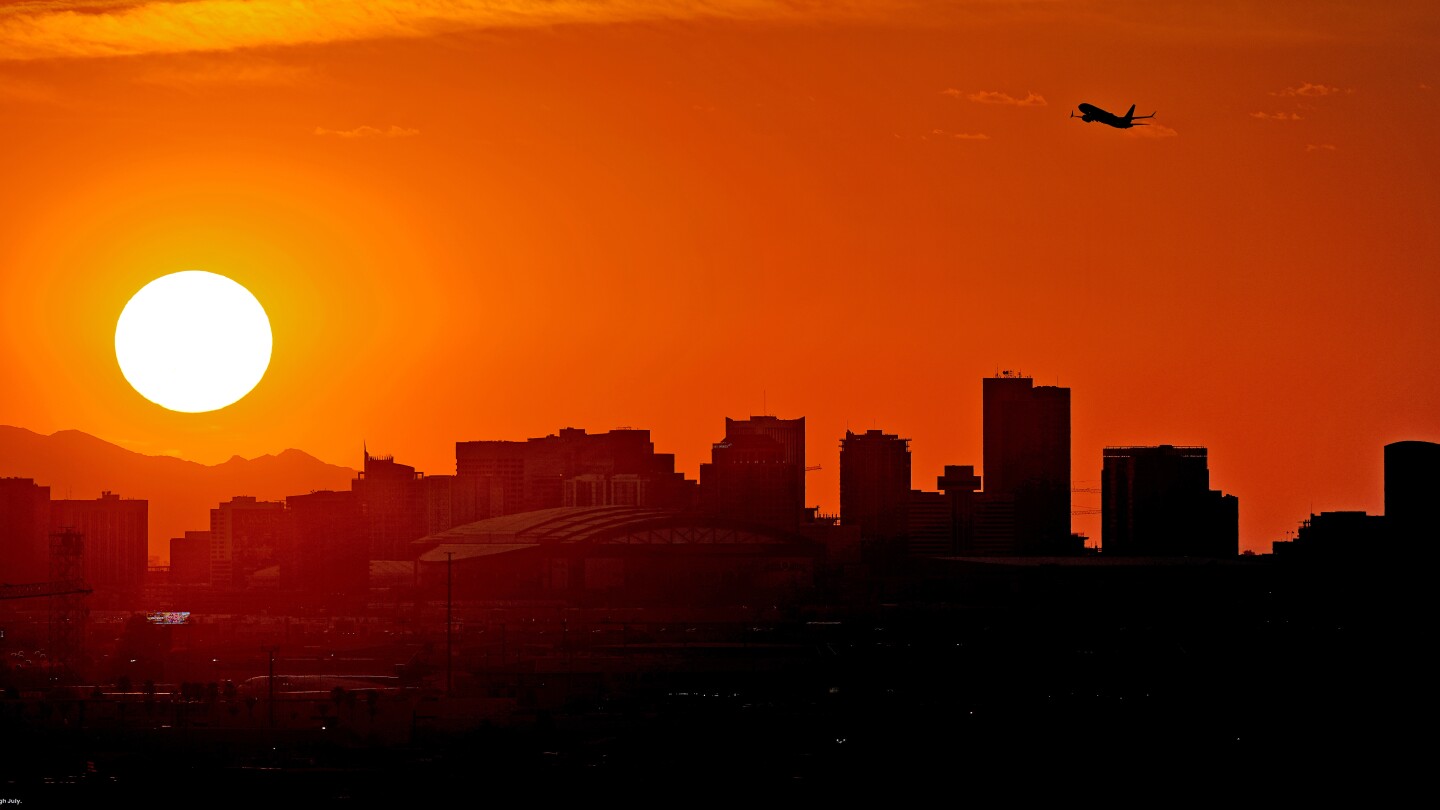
{"points": [[181, 493]]}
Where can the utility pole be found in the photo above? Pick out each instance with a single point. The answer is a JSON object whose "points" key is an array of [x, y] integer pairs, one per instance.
{"points": [[449, 622], [271, 702]]}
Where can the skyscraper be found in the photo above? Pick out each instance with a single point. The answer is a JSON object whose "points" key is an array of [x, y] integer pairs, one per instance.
{"points": [[749, 479], [875, 485], [619, 467], [246, 535], [1412, 491], [330, 558], [790, 433], [116, 532], [393, 502], [24, 531], [1157, 501], [1027, 463]]}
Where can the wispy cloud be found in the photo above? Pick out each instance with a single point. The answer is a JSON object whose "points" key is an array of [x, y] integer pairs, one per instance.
{"points": [[967, 136], [1279, 116], [1319, 147], [368, 132], [1308, 90], [1151, 131], [40, 29], [997, 97]]}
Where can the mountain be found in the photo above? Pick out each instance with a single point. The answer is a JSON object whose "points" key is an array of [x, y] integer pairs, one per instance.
{"points": [[181, 493]]}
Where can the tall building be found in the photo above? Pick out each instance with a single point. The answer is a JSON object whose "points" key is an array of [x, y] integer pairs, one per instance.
{"points": [[961, 487], [929, 525], [789, 433], [246, 535], [1412, 493], [1157, 501], [330, 563], [24, 531], [875, 490], [1027, 463], [616, 468], [393, 502], [749, 479], [116, 534], [190, 559]]}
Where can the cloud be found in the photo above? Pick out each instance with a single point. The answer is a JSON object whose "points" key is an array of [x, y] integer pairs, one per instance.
{"points": [[996, 97], [369, 132], [1319, 147], [1309, 90], [1152, 131], [40, 29], [951, 92], [1279, 116], [966, 136], [1424, 86]]}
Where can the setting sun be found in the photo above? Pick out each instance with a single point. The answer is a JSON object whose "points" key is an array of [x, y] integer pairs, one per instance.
{"points": [[193, 341]]}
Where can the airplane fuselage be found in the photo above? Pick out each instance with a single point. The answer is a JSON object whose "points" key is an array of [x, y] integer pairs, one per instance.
{"points": [[1089, 112]]}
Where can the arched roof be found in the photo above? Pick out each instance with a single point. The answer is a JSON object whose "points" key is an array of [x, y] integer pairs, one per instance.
{"points": [[596, 524]]}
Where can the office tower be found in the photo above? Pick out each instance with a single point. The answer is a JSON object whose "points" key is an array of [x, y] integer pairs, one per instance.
{"points": [[393, 502], [1412, 492], [961, 487], [616, 468], [116, 534], [1157, 501], [1027, 465], [790, 433], [24, 531], [190, 559], [929, 526], [875, 485], [750, 479], [330, 542], [246, 535]]}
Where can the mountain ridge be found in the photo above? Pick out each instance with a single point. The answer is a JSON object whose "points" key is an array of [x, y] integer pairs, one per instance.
{"points": [[76, 464]]}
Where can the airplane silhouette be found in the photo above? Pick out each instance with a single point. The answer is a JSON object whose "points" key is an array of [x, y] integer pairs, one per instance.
{"points": [[1089, 112]]}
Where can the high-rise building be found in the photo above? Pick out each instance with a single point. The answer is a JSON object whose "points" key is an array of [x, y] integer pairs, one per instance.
{"points": [[190, 559], [929, 525], [1027, 463], [246, 536], [393, 502], [750, 479], [331, 559], [619, 468], [1157, 501], [961, 487], [1412, 493], [24, 531], [116, 534], [789, 433], [875, 485]]}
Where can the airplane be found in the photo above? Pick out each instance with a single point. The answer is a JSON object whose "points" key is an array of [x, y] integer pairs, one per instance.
{"points": [[1089, 112]]}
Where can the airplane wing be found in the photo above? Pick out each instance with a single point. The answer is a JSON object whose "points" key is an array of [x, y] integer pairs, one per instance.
{"points": [[1151, 115]]}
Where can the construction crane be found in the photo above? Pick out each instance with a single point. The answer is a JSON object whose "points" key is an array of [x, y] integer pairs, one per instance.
{"points": [[812, 469]]}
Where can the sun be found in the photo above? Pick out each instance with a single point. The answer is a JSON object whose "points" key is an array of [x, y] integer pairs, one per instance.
{"points": [[193, 341]]}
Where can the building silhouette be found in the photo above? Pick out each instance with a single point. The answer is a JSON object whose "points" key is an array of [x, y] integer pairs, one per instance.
{"points": [[1157, 501], [789, 433], [1027, 467], [393, 503], [116, 536], [961, 487], [929, 525], [616, 468], [1412, 490], [246, 536], [190, 559], [329, 562], [875, 485], [1330, 537], [749, 479], [24, 531]]}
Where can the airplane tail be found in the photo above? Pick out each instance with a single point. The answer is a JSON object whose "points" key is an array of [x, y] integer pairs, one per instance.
{"points": [[1131, 113]]}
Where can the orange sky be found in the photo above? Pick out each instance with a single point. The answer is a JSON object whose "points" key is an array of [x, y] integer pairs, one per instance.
{"points": [[492, 220]]}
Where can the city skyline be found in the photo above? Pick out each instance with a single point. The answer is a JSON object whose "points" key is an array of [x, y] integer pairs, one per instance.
{"points": [[438, 218]]}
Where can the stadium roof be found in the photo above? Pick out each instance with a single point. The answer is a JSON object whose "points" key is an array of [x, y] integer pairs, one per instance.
{"points": [[594, 524]]}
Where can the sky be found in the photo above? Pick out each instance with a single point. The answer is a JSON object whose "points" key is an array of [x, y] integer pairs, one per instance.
{"points": [[491, 220]]}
